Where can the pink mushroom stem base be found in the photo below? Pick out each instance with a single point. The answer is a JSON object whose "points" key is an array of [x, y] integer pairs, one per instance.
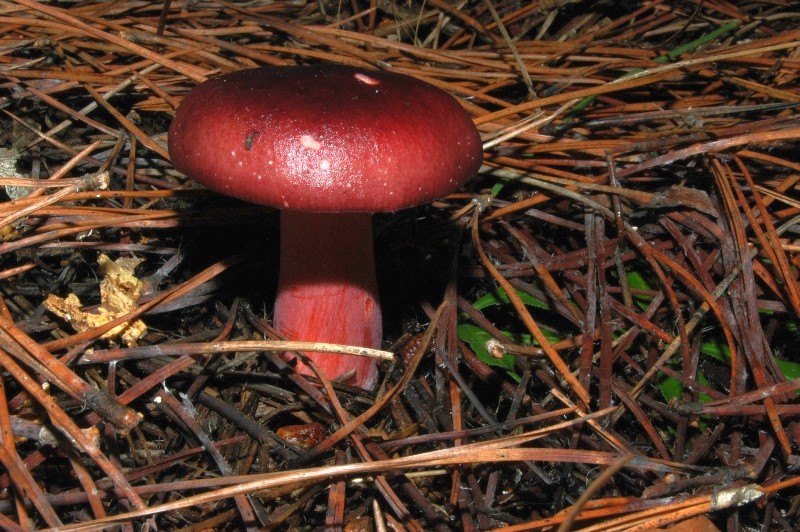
{"points": [[327, 291]]}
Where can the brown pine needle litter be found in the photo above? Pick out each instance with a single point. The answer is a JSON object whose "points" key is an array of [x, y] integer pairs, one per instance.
{"points": [[598, 332]]}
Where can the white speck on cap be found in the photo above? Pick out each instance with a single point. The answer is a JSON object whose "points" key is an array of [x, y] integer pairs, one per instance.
{"points": [[308, 142], [363, 78]]}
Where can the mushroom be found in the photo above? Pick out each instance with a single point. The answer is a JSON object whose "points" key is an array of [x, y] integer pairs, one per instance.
{"points": [[328, 145]]}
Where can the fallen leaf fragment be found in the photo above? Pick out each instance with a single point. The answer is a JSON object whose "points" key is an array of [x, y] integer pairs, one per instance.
{"points": [[304, 436], [678, 196], [119, 294], [699, 523]]}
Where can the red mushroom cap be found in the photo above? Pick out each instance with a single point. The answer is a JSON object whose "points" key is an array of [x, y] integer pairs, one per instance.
{"points": [[325, 138]]}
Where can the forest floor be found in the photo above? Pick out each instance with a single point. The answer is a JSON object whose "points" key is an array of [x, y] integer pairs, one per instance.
{"points": [[597, 332]]}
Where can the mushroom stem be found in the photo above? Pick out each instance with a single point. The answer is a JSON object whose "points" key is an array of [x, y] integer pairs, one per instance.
{"points": [[327, 291]]}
